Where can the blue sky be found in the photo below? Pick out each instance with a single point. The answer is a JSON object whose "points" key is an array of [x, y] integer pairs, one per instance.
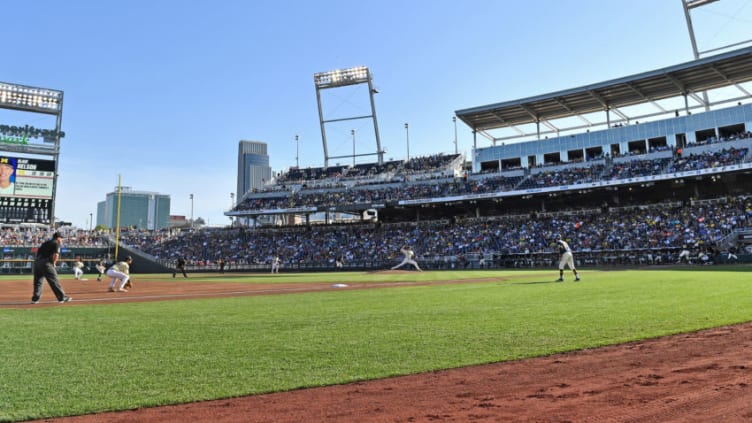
{"points": [[160, 92]]}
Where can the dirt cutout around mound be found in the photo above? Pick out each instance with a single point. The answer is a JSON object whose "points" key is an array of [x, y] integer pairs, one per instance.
{"points": [[697, 377]]}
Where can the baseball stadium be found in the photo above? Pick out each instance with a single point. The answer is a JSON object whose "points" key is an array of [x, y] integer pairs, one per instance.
{"points": [[647, 177]]}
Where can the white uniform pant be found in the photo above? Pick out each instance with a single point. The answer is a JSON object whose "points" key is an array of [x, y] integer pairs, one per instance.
{"points": [[116, 275], [684, 254], [407, 261], [78, 272], [566, 260]]}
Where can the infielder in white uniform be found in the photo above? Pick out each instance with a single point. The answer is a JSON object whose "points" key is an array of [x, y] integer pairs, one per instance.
{"points": [[684, 255], [566, 260], [78, 269], [275, 264], [409, 254], [120, 272], [732, 254], [101, 269]]}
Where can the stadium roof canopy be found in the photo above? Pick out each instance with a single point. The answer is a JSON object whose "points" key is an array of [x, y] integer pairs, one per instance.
{"points": [[686, 79]]}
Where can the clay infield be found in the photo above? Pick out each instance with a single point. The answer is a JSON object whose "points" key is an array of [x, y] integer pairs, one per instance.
{"points": [[696, 377]]}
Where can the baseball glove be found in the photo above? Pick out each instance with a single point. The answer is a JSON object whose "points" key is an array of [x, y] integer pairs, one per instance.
{"points": [[129, 284]]}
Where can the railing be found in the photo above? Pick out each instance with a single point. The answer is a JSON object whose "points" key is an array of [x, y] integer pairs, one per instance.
{"points": [[472, 261], [490, 260]]}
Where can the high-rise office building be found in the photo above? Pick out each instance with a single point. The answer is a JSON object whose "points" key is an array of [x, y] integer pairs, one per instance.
{"points": [[140, 209], [253, 166]]}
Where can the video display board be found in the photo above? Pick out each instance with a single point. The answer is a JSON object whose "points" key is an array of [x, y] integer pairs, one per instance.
{"points": [[26, 189]]}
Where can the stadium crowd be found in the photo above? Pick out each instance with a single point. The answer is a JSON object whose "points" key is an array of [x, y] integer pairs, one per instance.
{"points": [[649, 230], [34, 236], [410, 189], [417, 165], [601, 235]]}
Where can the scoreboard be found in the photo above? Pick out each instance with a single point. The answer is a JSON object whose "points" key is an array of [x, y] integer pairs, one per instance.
{"points": [[26, 190]]}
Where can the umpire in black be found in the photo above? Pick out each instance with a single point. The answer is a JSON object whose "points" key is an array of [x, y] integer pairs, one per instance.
{"points": [[44, 268], [180, 266]]}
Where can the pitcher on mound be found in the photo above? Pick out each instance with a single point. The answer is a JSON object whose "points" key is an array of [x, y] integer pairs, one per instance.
{"points": [[409, 254]]}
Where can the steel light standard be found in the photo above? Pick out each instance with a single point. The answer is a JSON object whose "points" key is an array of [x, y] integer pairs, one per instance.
{"points": [[297, 151], [454, 119], [232, 204], [91, 216], [691, 4], [352, 131], [407, 137], [191, 211]]}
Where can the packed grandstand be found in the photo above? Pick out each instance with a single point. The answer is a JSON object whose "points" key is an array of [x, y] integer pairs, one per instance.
{"points": [[626, 223], [623, 224], [677, 190]]}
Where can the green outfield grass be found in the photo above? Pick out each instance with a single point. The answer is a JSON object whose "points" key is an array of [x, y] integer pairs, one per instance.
{"points": [[81, 359]]}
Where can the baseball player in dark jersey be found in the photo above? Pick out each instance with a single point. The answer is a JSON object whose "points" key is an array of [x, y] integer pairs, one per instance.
{"points": [[180, 267], [44, 268]]}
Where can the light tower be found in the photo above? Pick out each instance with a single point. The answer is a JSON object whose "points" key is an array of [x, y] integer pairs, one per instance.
{"points": [[454, 119], [297, 151], [191, 211], [407, 139], [342, 78]]}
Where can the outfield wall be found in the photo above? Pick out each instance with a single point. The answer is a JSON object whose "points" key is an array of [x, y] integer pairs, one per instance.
{"points": [[584, 259]]}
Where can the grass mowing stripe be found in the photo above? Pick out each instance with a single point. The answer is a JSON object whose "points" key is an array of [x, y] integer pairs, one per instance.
{"points": [[119, 356]]}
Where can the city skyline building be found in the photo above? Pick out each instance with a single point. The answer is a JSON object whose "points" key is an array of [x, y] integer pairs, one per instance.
{"points": [[139, 209], [253, 166]]}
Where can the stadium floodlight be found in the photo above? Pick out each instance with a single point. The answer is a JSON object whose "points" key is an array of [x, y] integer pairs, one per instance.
{"points": [[341, 77], [31, 99]]}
